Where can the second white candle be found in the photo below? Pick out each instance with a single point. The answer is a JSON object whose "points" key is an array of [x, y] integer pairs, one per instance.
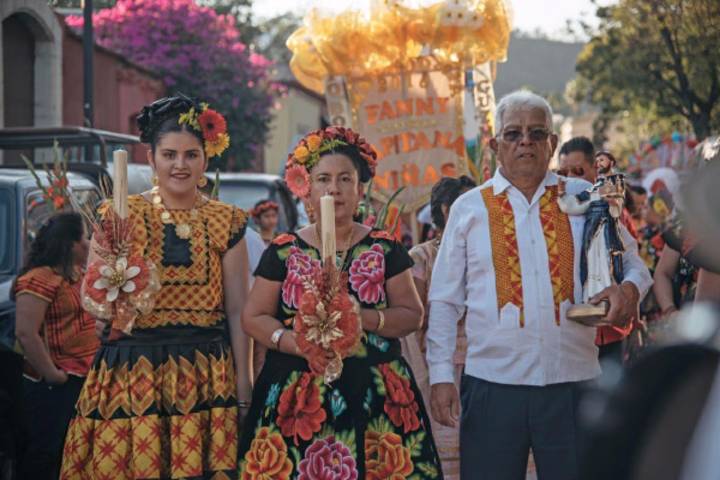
{"points": [[327, 228]]}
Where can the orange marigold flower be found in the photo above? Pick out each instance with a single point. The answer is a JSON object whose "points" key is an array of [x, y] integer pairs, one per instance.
{"points": [[212, 124], [301, 154], [59, 202], [386, 457], [313, 142], [267, 457]]}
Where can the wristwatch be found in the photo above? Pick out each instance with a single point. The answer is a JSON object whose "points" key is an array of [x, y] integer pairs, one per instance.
{"points": [[276, 336]]}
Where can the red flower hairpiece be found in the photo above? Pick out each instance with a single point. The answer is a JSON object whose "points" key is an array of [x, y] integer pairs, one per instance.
{"points": [[309, 149], [264, 207], [212, 125]]}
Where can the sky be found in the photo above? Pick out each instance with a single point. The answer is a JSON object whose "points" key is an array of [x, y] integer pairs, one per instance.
{"points": [[548, 16]]}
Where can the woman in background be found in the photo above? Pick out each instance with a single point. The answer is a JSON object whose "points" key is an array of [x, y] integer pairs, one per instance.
{"points": [[444, 193], [57, 338], [265, 215]]}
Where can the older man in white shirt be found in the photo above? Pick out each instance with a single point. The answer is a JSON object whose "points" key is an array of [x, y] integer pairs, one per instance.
{"points": [[509, 257]]}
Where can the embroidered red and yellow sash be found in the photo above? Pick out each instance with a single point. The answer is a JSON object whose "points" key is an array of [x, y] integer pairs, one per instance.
{"points": [[506, 258]]}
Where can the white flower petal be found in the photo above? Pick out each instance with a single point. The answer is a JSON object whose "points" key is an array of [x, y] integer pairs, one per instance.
{"points": [[112, 294], [101, 284], [129, 287], [132, 272], [121, 264], [106, 271]]}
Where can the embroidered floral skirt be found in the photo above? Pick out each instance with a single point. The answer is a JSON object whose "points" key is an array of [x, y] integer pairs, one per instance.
{"points": [[159, 404], [369, 424]]}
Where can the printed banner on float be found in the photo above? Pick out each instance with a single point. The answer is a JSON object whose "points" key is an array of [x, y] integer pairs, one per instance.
{"points": [[415, 121]]}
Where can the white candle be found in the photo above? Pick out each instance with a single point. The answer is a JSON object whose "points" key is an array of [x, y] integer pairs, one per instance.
{"points": [[120, 184], [327, 228]]}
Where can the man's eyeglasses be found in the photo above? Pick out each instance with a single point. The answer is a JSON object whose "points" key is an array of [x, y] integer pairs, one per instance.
{"points": [[571, 172], [534, 134]]}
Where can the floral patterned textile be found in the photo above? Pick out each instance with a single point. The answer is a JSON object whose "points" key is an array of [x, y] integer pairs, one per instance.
{"points": [[371, 422]]}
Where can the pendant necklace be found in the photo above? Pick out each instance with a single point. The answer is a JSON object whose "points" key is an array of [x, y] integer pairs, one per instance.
{"points": [[183, 229]]}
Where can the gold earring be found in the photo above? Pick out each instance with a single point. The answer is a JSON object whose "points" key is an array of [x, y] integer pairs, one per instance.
{"points": [[310, 210], [154, 180], [202, 183]]}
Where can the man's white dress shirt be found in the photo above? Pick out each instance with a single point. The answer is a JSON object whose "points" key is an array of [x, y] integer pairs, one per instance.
{"points": [[499, 350]]}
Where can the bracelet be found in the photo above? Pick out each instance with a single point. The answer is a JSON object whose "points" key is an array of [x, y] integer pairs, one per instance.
{"points": [[243, 403], [381, 321], [276, 336]]}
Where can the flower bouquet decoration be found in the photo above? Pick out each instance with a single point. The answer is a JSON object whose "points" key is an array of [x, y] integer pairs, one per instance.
{"points": [[57, 193], [327, 323], [119, 285]]}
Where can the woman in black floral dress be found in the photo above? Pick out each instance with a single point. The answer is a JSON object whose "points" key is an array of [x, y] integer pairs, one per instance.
{"points": [[370, 423]]}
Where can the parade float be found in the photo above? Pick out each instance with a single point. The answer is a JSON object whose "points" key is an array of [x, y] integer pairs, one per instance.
{"points": [[415, 78]]}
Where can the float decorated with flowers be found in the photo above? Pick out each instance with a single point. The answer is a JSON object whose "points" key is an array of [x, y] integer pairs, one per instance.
{"points": [[414, 77]]}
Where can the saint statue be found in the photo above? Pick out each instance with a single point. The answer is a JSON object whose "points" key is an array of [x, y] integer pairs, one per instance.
{"points": [[601, 263]]}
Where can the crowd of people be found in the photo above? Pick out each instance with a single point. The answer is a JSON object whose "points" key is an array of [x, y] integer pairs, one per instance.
{"points": [[469, 364]]}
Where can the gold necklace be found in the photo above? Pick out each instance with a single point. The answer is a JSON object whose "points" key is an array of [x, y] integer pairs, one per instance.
{"points": [[182, 230], [339, 260]]}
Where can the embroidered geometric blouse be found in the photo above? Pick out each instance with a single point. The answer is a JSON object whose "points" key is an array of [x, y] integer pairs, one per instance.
{"points": [[190, 270]]}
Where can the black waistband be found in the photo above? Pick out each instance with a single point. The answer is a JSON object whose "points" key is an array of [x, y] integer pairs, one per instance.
{"points": [[172, 335]]}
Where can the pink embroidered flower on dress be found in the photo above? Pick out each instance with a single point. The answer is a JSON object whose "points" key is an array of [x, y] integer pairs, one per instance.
{"points": [[367, 275], [299, 264], [327, 458]]}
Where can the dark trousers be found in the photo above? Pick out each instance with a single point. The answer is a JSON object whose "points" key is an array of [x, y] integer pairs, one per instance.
{"points": [[612, 351], [47, 410], [501, 423]]}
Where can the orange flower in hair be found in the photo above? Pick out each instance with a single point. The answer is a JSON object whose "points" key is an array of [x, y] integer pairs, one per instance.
{"points": [[313, 142], [298, 180], [212, 124]]}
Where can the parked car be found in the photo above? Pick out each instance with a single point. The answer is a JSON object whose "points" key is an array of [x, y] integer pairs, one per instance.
{"points": [[22, 211], [80, 144], [88, 151], [246, 189]]}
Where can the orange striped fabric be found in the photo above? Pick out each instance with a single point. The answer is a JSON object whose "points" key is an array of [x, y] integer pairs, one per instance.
{"points": [[560, 248], [68, 331], [506, 258]]}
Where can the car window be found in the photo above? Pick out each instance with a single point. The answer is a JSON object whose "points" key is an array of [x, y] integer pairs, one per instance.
{"points": [[246, 195], [243, 195], [37, 211], [88, 198], [7, 232]]}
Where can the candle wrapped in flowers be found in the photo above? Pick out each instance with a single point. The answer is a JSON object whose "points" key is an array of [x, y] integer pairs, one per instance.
{"points": [[119, 284], [328, 322]]}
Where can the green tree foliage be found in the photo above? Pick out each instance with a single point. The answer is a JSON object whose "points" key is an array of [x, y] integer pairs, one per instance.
{"points": [[659, 56]]}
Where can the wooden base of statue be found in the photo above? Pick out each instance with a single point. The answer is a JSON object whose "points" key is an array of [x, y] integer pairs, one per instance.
{"points": [[588, 314]]}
